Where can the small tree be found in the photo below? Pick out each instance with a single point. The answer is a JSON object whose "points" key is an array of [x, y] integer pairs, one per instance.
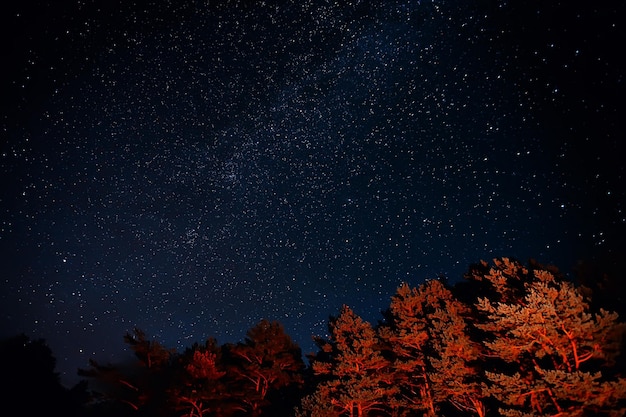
{"points": [[198, 389], [357, 377], [267, 363], [142, 386]]}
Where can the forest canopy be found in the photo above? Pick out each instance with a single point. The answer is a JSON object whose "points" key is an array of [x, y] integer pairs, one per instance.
{"points": [[509, 340]]}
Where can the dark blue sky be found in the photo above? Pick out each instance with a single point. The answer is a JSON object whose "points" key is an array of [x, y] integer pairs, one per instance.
{"points": [[193, 168]]}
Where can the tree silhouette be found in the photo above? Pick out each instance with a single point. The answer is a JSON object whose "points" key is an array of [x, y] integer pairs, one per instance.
{"points": [[150, 352], [198, 387], [30, 385], [142, 386], [267, 364]]}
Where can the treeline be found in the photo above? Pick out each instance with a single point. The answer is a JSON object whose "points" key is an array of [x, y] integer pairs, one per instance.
{"points": [[509, 340]]}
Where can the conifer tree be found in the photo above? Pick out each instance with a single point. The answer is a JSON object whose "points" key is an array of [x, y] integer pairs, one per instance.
{"points": [[556, 347], [356, 375], [150, 352], [502, 282], [142, 386], [453, 356], [198, 388], [268, 362], [435, 358], [406, 334]]}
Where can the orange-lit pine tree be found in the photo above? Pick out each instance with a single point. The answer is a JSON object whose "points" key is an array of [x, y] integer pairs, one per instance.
{"points": [[453, 356], [406, 334], [357, 377], [556, 346], [435, 359]]}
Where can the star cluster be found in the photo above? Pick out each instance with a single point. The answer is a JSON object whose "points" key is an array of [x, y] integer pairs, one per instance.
{"points": [[192, 167]]}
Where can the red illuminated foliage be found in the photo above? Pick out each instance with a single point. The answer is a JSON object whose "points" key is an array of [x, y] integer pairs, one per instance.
{"points": [[199, 387], [267, 362], [511, 340], [553, 348], [356, 377], [435, 359]]}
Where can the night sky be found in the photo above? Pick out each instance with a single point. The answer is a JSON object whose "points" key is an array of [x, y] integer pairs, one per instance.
{"points": [[190, 168]]}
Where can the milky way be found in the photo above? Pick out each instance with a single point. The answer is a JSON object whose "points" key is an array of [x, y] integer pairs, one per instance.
{"points": [[191, 169]]}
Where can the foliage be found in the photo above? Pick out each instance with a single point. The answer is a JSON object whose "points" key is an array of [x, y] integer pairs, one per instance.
{"points": [[199, 388], [268, 362], [511, 340], [317, 405], [434, 358], [358, 376], [556, 346]]}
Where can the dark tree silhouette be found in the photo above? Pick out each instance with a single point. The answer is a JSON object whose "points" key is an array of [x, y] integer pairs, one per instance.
{"points": [[198, 388], [30, 385], [266, 368], [150, 352], [143, 385]]}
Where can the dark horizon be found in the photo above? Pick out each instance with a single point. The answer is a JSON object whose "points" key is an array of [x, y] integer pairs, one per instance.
{"points": [[509, 331]]}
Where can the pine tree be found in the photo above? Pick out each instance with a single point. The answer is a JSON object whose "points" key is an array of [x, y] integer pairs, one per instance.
{"points": [[556, 346], [406, 335], [198, 388], [435, 359], [356, 375], [143, 386], [453, 355], [150, 352], [268, 362]]}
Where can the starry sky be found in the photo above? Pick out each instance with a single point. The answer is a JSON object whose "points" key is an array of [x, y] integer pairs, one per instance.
{"points": [[191, 167]]}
